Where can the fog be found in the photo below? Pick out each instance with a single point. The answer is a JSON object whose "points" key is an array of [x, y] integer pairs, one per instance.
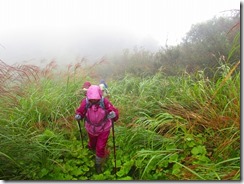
{"points": [[69, 47], [68, 30]]}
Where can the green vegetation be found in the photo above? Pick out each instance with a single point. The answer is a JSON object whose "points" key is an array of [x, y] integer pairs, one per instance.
{"points": [[173, 125]]}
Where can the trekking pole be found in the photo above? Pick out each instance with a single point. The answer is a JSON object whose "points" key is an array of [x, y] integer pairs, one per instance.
{"points": [[81, 136], [114, 151]]}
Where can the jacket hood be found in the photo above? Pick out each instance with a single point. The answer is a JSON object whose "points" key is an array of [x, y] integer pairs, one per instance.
{"points": [[94, 92]]}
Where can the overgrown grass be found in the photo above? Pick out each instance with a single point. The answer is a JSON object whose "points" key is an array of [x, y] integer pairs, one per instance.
{"points": [[170, 128], [199, 116]]}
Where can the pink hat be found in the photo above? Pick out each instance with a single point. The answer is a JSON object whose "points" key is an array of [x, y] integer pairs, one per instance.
{"points": [[86, 85], [94, 92]]}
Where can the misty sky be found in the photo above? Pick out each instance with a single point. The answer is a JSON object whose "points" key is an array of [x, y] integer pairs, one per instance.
{"points": [[67, 30]]}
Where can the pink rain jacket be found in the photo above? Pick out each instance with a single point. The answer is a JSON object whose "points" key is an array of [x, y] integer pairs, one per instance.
{"points": [[97, 114]]}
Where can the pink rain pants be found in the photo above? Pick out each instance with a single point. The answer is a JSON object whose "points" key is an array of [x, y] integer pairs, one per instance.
{"points": [[98, 143]]}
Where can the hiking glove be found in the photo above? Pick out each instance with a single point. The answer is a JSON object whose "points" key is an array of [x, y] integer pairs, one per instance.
{"points": [[78, 117], [111, 115]]}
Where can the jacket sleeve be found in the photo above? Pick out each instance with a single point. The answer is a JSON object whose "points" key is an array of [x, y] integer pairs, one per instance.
{"points": [[81, 110], [109, 107]]}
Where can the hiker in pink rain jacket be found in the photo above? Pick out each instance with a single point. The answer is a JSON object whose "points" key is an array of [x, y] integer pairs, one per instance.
{"points": [[99, 114]]}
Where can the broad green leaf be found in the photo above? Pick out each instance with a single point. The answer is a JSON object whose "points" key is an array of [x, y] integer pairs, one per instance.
{"points": [[173, 157], [176, 169], [198, 150]]}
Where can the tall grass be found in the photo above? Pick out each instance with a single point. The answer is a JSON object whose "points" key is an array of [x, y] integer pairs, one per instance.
{"points": [[195, 113], [35, 116], [170, 128]]}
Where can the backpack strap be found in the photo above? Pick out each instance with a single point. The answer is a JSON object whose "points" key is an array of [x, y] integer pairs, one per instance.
{"points": [[102, 103], [87, 103]]}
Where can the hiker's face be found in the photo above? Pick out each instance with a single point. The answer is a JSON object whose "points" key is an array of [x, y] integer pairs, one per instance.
{"points": [[94, 101]]}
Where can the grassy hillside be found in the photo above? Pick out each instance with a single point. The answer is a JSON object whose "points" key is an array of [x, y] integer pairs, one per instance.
{"points": [[170, 128]]}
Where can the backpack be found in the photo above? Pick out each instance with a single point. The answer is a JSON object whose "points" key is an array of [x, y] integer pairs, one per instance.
{"points": [[96, 117]]}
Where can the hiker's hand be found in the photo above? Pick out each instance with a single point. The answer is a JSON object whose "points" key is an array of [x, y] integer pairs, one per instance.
{"points": [[78, 117], [111, 115]]}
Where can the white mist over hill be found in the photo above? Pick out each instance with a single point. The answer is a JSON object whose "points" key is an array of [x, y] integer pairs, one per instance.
{"points": [[67, 30], [69, 47]]}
